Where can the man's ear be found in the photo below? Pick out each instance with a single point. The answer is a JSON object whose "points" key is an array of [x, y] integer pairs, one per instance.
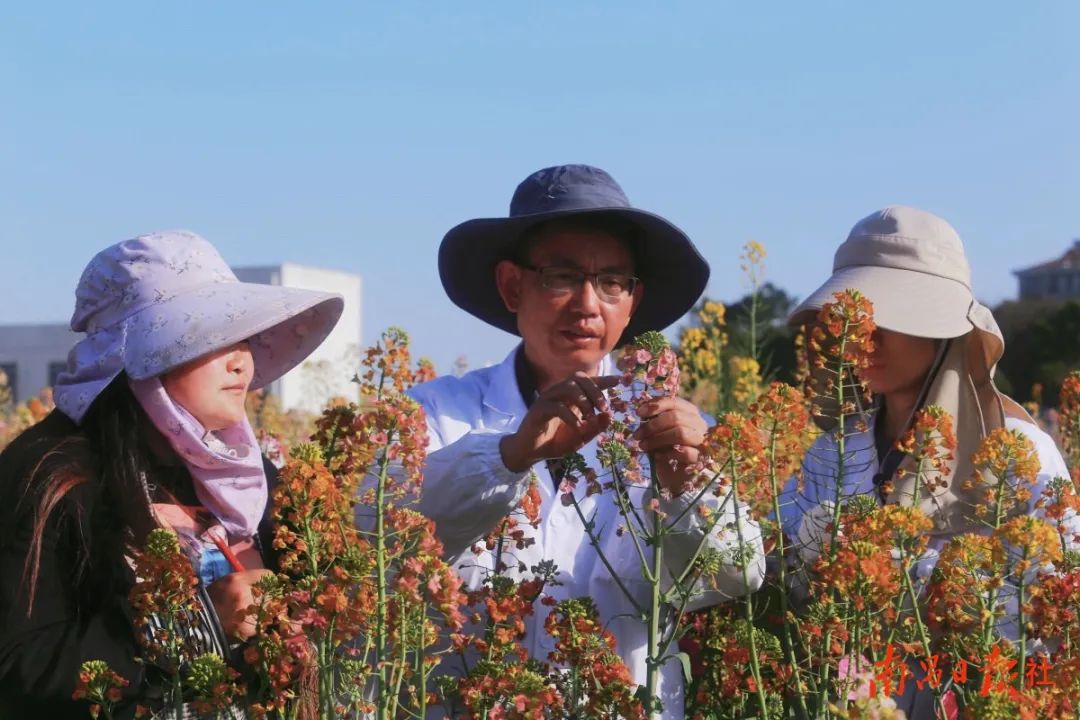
{"points": [[508, 283]]}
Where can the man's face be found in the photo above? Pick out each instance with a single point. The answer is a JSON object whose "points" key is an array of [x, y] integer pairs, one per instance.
{"points": [[567, 330]]}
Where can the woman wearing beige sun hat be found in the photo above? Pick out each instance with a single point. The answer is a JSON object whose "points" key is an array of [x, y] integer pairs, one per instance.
{"points": [[935, 345]]}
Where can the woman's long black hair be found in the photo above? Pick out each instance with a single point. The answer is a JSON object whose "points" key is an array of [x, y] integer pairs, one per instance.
{"points": [[87, 481]]}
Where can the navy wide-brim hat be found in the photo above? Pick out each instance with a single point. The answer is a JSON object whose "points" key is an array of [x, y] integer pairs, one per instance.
{"points": [[671, 269]]}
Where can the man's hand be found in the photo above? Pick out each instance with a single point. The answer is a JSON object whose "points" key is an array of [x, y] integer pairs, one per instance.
{"points": [[562, 420], [232, 597], [671, 430]]}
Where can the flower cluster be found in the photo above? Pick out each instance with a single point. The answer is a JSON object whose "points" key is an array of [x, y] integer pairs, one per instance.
{"points": [[388, 366], [423, 579], [1030, 542], [734, 449], [512, 528], [510, 691], [14, 419], [725, 681], [279, 652], [505, 682], [782, 417], [313, 509], [599, 684], [930, 442], [214, 685], [860, 572], [746, 379], [1006, 465], [752, 263], [840, 347], [650, 362], [697, 355], [164, 599], [958, 596], [354, 439], [1059, 504], [1055, 612], [1069, 417], [701, 354], [100, 686]]}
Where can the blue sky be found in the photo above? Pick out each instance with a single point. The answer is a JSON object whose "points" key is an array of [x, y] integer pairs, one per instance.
{"points": [[353, 135]]}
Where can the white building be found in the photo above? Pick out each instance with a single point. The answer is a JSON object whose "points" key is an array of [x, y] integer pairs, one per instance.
{"points": [[1053, 280], [33, 355]]}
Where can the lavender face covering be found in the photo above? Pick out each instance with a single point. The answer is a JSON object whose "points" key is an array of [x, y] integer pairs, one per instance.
{"points": [[226, 466]]}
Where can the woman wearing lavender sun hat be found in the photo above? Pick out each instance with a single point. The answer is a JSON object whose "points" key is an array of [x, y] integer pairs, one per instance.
{"points": [[149, 431], [935, 344]]}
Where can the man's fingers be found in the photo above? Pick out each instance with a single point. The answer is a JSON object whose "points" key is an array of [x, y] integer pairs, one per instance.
{"points": [[606, 382], [563, 412], [666, 439], [583, 392], [591, 390], [658, 423], [685, 454], [570, 394], [594, 426], [651, 408], [692, 427]]}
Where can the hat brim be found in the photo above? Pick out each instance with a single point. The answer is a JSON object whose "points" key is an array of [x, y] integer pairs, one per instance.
{"points": [[672, 271], [905, 301], [283, 326]]}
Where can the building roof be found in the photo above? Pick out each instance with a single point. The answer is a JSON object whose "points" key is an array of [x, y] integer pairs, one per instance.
{"points": [[1071, 259]]}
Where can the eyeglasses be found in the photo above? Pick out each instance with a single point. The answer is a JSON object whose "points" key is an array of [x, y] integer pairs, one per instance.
{"points": [[610, 287]]}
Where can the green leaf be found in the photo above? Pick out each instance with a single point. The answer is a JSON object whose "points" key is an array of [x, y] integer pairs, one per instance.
{"points": [[685, 660]]}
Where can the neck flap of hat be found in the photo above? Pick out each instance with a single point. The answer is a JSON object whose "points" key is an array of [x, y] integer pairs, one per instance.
{"points": [[964, 388]]}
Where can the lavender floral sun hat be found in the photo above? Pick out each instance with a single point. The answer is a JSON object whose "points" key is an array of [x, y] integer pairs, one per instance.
{"points": [[157, 301]]}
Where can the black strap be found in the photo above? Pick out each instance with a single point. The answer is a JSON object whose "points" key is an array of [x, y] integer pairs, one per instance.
{"points": [[526, 378]]}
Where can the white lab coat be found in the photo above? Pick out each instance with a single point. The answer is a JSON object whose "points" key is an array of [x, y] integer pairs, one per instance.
{"points": [[467, 490]]}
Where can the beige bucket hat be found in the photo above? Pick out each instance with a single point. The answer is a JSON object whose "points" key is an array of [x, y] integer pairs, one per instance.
{"points": [[912, 266]]}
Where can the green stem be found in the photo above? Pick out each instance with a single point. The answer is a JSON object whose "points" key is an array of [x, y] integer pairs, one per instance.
{"points": [[178, 695], [328, 689], [753, 323], [489, 633], [421, 666], [992, 595], [1020, 621], [384, 695], [627, 511], [840, 459], [652, 676], [595, 541], [748, 604], [924, 638], [785, 638], [398, 677], [703, 542]]}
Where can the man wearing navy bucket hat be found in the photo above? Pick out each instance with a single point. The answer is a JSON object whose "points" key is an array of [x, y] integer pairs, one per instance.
{"points": [[574, 270]]}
